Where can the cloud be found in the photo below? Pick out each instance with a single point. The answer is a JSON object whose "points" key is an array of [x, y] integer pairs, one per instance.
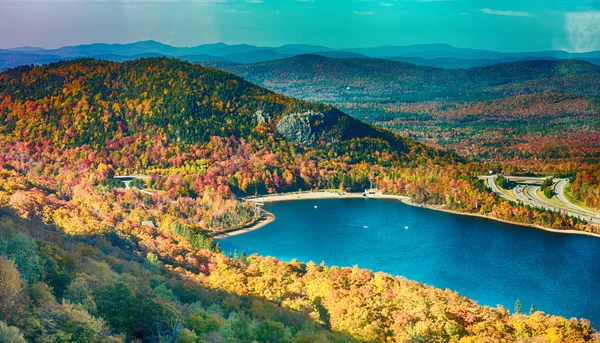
{"points": [[583, 31], [364, 13], [254, 1], [506, 13], [386, 4], [235, 11]]}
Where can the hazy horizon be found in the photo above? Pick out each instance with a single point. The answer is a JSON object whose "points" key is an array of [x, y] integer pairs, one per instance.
{"points": [[281, 45], [508, 26]]}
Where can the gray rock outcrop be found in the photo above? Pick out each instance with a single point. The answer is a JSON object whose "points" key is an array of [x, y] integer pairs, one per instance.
{"points": [[262, 117], [301, 127]]}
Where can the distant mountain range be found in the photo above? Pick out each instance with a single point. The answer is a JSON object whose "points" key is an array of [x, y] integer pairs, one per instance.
{"points": [[433, 55]]}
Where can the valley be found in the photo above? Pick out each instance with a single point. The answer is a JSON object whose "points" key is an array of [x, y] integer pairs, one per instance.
{"points": [[534, 116], [190, 142], [299, 171]]}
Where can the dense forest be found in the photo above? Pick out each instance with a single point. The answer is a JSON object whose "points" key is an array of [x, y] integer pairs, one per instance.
{"points": [[99, 255], [546, 131], [535, 115], [586, 186]]}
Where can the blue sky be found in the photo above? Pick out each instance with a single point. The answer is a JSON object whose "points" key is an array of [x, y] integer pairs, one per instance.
{"points": [[507, 25]]}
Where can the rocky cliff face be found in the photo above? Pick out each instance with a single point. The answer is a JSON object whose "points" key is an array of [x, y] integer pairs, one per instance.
{"points": [[303, 127]]}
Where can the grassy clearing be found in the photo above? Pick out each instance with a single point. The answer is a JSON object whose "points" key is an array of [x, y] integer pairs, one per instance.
{"points": [[552, 200], [508, 192]]}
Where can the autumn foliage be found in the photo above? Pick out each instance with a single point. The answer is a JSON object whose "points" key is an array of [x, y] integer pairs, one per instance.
{"points": [[126, 264]]}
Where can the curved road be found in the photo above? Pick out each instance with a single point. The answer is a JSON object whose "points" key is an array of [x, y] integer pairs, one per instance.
{"points": [[531, 193], [584, 215], [560, 195], [491, 182], [527, 194]]}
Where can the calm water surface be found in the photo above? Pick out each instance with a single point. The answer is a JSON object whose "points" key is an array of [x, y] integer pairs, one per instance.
{"points": [[491, 262]]}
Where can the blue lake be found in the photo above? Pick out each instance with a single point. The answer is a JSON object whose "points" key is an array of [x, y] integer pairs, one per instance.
{"points": [[491, 262]]}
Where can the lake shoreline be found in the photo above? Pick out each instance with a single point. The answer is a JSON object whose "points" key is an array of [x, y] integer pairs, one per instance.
{"points": [[265, 219], [268, 217]]}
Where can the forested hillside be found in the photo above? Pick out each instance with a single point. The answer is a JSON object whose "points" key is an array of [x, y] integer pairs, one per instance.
{"points": [[545, 131], [122, 287], [111, 263], [528, 115], [325, 79], [91, 102]]}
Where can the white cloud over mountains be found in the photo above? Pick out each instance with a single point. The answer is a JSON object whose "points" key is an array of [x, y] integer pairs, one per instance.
{"points": [[583, 31], [506, 13]]}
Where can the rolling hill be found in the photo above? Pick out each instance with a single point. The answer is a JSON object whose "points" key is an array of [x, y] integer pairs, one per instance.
{"points": [[320, 78], [189, 103], [531, 112]]}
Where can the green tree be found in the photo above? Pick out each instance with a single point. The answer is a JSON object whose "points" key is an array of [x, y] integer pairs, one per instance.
{"points": [[41, 293], [269, 331], [187, 336], [11, 287], [137, 183], [546, 187], [23, 250], [10, 334], [80, 292], [110, 184], [518, 306], [548, 192], [202, 322], [72, 323], [503, 182]]}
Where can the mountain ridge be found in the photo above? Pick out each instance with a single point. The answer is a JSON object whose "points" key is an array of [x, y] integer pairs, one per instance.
{"points": [[196, 109], [431, 54]]}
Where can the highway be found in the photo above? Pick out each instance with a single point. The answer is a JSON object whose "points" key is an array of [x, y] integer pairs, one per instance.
{"points": [[491, 182], [559, 189], [527, 194]]}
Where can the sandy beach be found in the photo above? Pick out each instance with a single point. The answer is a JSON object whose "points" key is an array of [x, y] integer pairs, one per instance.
{"points": [[269, 217], [305, 196], [266, 219]]}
